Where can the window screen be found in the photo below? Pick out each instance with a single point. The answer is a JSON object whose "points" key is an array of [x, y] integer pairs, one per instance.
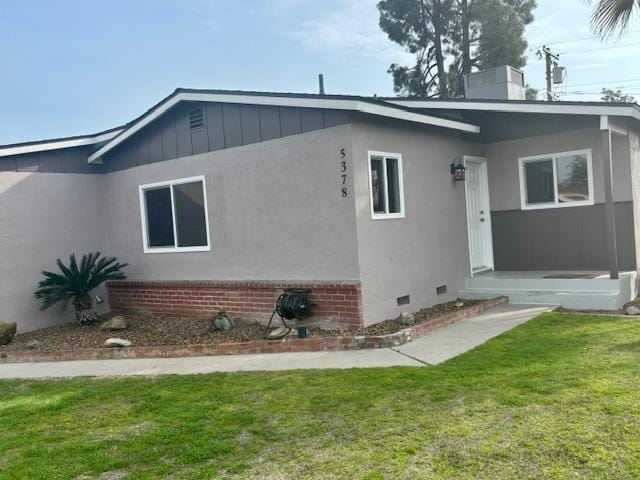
{"points": [[539, 181], [377, 187], [175, 216], [190, 215], [393, 185], [159, 217]]}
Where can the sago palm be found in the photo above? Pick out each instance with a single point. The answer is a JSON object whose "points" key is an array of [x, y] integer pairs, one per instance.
{"points": [[611, 16], [75, 282]]}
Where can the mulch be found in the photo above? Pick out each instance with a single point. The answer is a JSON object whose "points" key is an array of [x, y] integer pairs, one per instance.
{"points": [[155, 330]]}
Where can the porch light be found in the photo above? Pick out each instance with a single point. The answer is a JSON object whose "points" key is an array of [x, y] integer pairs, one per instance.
{"points": [[457, 171]]}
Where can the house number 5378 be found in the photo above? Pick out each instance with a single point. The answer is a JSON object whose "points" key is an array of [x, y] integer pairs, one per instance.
{"points": [[343, 173]]}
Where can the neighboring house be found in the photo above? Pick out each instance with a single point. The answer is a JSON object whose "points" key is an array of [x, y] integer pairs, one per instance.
{"points": [[219, 199]]}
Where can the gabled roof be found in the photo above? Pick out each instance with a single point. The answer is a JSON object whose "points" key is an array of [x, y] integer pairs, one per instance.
{"points": [[59, 143], [366, 105], [521, 106]]}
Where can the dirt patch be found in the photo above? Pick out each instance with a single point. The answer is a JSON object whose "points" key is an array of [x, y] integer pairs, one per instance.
{"points": [[155, 330]]}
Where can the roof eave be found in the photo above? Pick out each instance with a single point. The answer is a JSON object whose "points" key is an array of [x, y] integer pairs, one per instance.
{"points": [[630, 110], [58, 144], [374, 108]]}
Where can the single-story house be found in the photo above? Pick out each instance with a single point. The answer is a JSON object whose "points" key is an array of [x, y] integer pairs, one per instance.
{"points": [[220, 199]]}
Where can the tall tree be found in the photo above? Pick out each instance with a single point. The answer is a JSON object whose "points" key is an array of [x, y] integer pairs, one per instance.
{"points": [[612, 16], [474, 34], [421, 26], [616, 96]]}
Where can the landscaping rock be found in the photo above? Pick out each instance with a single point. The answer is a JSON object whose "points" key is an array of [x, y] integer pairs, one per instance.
{"points": [[7, 332], [459, 304], [632, 310], [117, 343], [33, 344], [222, 321], [116, 323], [407, 319]]}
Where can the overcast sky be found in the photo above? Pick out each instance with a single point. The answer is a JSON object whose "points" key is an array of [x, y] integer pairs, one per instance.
{"points": [[81, 66]]}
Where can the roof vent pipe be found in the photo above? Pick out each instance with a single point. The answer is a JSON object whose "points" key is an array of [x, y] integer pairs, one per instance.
{"points": [[321, 84]]}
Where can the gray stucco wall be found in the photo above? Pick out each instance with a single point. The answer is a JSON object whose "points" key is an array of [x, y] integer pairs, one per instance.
{"points": [[563, 238], [44, 216], [502, 161], [429, 247], [275, 212]]}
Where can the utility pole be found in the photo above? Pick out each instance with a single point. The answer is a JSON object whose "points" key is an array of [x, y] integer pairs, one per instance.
{"points": [[551, 60]]}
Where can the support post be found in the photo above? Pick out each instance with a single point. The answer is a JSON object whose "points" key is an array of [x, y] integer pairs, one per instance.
{"points": [[609, 208]]}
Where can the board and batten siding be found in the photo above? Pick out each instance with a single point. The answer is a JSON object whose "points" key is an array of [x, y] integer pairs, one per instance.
{"points": [[66, 160], [569, 238], [226, 125]]}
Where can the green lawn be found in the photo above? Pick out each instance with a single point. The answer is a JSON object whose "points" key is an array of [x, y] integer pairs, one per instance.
{"points": [[555, 398]]}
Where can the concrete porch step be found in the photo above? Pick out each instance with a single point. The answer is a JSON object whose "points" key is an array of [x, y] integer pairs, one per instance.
{"points": [[533, 288]]}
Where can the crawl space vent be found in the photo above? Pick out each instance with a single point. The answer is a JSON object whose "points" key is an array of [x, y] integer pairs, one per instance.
{"points": [[441, 290], [196, 119], [404, 300]]}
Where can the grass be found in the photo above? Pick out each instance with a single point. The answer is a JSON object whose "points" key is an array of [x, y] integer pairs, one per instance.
{"points": [[558, 397]]}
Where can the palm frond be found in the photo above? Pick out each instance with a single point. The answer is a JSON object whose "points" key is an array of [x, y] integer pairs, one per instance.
{"points": [[75, 280], [612, 16]]}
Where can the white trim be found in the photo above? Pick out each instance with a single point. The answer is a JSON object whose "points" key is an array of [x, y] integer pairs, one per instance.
{"points": [[556, 203], [315, 102], [143, 216], [490, 261], [385, 155], [608, 123], [522, 107], [58, 144]]}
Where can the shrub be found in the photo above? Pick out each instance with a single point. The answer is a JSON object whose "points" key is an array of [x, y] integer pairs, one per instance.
{"points": [[76, 282]]}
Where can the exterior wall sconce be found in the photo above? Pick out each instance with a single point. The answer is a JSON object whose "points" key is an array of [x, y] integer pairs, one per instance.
{"points": [[457, 171]]}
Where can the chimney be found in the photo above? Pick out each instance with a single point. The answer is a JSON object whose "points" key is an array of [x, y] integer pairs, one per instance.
{"points": [[499, 83], [321, 84]]}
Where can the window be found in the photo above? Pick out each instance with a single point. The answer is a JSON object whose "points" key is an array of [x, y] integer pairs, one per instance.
{"points": [[385, 176], [556, 180], [174, 216]]}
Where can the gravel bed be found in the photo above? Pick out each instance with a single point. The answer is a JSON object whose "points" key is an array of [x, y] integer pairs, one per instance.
{"points": [[153, 330]]}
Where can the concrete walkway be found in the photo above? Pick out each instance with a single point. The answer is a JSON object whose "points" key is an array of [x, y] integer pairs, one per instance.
{"points": [[432, 349], [463, 336]]}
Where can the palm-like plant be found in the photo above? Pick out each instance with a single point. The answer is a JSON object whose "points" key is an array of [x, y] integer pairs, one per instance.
{"points": [[75, 282], [611, 16]]}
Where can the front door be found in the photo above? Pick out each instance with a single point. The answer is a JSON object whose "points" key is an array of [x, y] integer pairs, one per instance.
{"points": [[478, 214]]}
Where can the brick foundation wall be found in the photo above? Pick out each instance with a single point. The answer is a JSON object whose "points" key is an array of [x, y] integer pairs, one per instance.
{"points": [[334, 303]]}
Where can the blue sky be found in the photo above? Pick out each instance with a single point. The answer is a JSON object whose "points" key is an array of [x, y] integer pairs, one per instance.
{"points": [[81, 66]]}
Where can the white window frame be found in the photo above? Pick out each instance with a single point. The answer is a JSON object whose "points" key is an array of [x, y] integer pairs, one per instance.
{"points": [[143, 215], [385, 155], [522, 161]]}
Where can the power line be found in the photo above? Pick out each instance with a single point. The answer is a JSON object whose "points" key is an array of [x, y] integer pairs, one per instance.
{"points": [[593, 37], [605, 83], [602, 48]]}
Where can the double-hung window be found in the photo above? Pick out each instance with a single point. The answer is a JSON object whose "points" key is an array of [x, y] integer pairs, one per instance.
{"points": [[386, 187], [556, 180], [174, 216]]}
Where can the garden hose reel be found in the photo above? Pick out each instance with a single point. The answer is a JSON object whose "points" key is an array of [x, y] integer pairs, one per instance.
{"points": [[292, 305]]}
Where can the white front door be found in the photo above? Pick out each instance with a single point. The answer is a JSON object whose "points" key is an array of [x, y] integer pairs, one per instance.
{"points": [[478, 214]]}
